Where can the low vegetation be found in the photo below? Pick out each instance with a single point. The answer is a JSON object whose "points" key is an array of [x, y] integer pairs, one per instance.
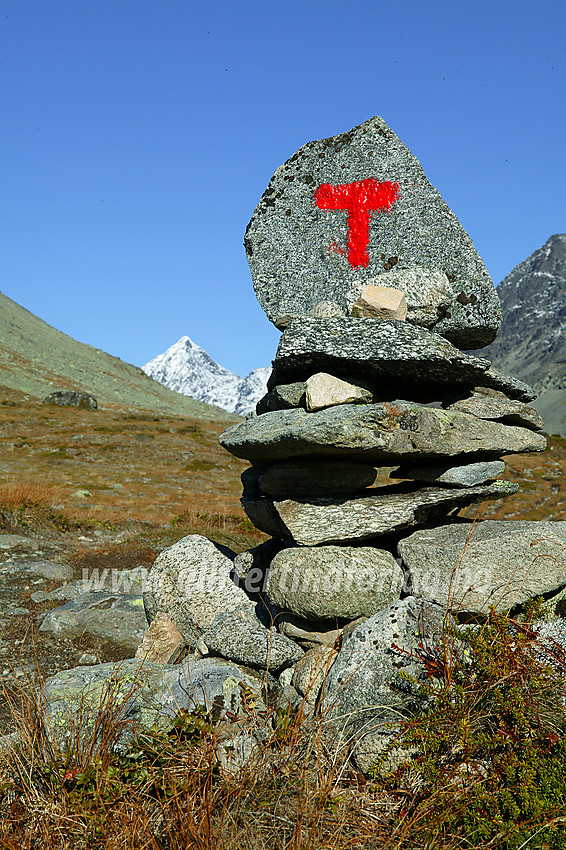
{"points": [[109, 490], [487, 768]]}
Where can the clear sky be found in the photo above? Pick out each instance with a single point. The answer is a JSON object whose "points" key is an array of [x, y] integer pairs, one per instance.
{"points": [[137, 137]]}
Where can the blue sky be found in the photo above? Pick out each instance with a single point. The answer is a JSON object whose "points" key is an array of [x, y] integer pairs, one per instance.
{"points": [[138, 136]]}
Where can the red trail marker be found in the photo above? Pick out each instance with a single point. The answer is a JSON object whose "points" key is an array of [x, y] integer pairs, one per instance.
{"points": [[358, 199]]}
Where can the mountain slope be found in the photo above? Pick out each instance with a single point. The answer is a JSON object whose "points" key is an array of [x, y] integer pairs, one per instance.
{"points": [[532, 341], [37, 359], [187, 368]]}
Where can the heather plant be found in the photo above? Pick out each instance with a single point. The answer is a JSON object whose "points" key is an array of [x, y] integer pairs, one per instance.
{"points": [[486, 740]]}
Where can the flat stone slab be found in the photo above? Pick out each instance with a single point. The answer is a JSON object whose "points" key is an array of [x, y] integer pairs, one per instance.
{"points": [[315, 477], [363, 517], [328, 582], [385, 434], [466, 475], [305, 241], [390, 355], [396, 359], [117, 619], [494, 405], [474, 566]]}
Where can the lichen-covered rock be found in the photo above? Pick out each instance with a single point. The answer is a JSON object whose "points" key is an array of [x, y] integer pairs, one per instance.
{"points": [[346, 208], [333, 520], [193, 581], [498, 563], [85, 705], [328, 582], [393, 357], [387, 434], [239, 636], [115, 618], [364, 688]]}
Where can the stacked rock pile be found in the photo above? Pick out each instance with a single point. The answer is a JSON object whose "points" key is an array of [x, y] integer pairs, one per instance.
{"points": [[375, 422], [376, 430]]}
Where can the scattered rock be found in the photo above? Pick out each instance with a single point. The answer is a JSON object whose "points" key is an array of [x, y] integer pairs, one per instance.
{"points": [[118, 619], [329, 582], [72, 398], [14, 543], [49, 570], [325, 390]]}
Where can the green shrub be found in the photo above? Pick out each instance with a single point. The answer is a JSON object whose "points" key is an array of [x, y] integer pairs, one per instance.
{"points": [[488, 728]]}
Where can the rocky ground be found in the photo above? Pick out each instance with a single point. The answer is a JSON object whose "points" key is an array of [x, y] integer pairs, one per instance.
{"points": [[84, 491], [107, 490]]}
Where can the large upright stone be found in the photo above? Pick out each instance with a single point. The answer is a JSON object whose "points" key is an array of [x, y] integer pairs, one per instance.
{"points": [[341, 211], [193, 581], [396, 359]]}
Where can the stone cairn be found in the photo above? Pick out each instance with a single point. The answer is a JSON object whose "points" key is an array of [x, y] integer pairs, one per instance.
{"points": [[376, 430]]}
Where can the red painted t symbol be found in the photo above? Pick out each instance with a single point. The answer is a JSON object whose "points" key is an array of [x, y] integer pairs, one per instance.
{"points": [[358, 198]]}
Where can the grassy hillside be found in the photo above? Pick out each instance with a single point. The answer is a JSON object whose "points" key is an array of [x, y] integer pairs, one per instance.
{"points": [[37, 359]]}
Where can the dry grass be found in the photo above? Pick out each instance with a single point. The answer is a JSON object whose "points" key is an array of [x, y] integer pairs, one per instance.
{"points": [[168, 791], [111, 465]]}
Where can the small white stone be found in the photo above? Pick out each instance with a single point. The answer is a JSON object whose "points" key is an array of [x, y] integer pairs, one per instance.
{"points": [[323, 390]]}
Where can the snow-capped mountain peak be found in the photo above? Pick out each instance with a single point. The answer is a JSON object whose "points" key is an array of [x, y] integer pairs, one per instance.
{"points": [[188, 369]]}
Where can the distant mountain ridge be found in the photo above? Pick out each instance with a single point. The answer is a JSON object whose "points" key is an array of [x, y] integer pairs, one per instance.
{"points": [[531, 344], [186, 368], [36, 359]]}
